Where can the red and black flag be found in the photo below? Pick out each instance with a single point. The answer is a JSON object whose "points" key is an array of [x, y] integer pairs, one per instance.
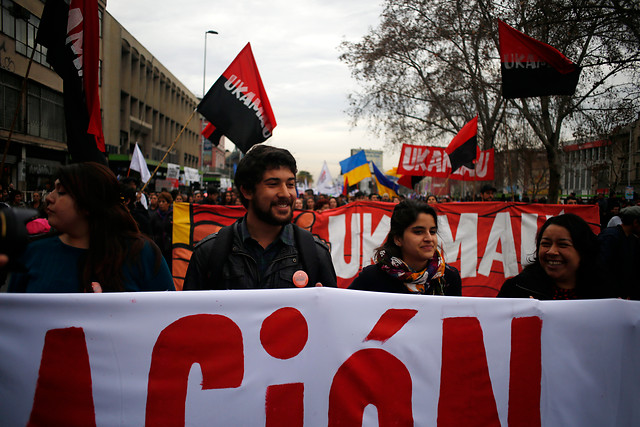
{"points": [[533, 68], [237, 104], [463, 148], [410, 181], [70, 34], [212, 134]]}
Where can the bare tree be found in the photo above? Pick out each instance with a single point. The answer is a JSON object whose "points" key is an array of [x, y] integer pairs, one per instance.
{"points": [[426, 70], [431, 65], [607, 94]]}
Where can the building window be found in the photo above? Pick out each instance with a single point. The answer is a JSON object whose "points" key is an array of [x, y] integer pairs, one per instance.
{"points": [[26, 30], [21, 36], [100, 22], [124, 140], [10, 86], [45, 113], [7, 21]]}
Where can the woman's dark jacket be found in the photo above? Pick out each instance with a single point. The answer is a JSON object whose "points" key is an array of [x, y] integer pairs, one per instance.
{"points": [[373, 278], [534, 282]]}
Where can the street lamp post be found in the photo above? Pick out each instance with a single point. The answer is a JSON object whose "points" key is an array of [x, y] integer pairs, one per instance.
{"points": [[204, 69], [204, 77]]}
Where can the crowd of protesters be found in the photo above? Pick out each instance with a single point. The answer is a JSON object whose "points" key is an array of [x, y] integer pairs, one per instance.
{"points": [[567, 251]]}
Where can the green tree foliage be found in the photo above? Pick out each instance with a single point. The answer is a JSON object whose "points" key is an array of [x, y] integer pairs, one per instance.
{"points": [[304, 176]]}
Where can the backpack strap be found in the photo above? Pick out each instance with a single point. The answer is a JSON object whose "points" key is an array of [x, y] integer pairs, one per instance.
{"points": [[307, 253], [219, 253]]}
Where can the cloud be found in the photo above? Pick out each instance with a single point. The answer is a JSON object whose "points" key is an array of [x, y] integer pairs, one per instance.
{"points": [[295, 44]]}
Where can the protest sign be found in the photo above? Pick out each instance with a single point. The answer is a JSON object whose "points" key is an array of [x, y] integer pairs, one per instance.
{"points": [[486, 242], [316, 356]]}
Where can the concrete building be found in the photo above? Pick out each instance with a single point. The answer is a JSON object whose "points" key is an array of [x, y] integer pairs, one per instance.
{"points": [[589, 167], [601, 166], [141, 102], [368, 185], [374, 156]]}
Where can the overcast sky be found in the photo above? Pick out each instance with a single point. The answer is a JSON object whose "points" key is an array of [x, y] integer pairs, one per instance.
{"points": [[295, 44]]}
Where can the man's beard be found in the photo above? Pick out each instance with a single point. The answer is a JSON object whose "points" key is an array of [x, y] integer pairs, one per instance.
{"points": [[267, 216]]}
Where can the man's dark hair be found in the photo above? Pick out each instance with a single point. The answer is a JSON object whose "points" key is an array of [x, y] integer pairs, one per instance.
{"points": [[128, 194], [259, 159], [629, 214], [129, 180]]}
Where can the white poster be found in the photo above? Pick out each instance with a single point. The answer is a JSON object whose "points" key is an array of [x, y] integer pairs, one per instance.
{"points": [[191, 175], [173, 171]]}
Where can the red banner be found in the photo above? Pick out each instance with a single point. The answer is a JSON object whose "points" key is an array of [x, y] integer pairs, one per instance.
{"points": [[421, 160], [486, 242]]}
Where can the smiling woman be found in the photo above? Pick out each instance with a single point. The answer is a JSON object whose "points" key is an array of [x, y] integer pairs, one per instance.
{"points": [[564, 266], [409, 261]]}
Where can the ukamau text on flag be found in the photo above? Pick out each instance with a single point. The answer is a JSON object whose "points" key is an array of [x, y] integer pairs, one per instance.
{"points": [[532, 68], [237, 103]]}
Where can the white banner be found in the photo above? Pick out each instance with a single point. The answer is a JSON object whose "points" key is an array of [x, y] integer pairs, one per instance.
{"points": [[173, 171], [191, 175], [316, 357]]}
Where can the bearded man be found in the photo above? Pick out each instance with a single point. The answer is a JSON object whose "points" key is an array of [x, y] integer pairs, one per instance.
{"points": [[263, 249]]}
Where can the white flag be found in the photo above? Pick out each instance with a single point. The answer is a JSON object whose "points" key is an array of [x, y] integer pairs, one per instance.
{"points": [[325, 183], [138, 164]]}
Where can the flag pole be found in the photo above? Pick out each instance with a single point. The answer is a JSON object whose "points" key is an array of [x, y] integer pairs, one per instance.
{"points": [[17, 111], [169, 149]]}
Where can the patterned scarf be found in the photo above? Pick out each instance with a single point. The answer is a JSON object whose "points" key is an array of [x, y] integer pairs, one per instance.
{"points": [[417, 282]]}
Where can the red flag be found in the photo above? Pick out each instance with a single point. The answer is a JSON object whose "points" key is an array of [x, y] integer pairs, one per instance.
{"points": [[208, 130], [532, 68], [410, 181], [86, 14], [463, 148], [212, 134], [237, 104], [70, 34]]}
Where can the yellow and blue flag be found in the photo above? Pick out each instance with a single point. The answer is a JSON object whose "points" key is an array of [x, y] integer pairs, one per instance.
{"points": [[384, 183], [355, 168]]}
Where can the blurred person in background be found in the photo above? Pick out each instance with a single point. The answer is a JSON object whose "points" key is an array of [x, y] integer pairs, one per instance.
{"points": [[162, 226]]}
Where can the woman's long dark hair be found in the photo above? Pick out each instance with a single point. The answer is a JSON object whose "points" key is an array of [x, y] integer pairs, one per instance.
{"points": [[114, 237], [584, 241], [404, 214]]}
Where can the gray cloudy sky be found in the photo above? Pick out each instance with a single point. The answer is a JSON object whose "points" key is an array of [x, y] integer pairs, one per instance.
{"points": [[295, 44]]}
